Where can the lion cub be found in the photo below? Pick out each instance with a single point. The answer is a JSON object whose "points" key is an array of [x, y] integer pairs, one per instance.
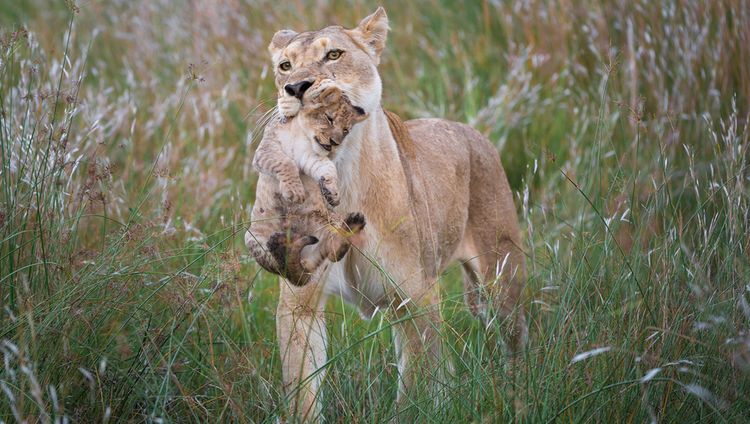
{"points": [[293, 227], [285, 150]]}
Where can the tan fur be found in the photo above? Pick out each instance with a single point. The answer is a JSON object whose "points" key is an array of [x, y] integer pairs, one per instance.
{"points": [[292, 229], [433, 192]]}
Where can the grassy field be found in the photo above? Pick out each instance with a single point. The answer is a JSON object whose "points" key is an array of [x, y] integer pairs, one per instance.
{"points": [[128, 129]]}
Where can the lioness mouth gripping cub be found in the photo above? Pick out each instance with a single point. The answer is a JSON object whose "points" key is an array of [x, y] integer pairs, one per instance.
{"points": [[293, 229]]}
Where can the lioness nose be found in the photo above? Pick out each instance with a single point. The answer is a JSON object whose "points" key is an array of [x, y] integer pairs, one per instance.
{"points": [[298, 90]]}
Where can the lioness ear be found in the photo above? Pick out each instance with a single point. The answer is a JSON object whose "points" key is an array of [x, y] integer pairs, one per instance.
{"points": [[374, 30], [280, 40]]}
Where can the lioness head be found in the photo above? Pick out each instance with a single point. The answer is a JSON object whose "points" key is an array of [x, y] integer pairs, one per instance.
{"points": [[328, 116], [349, 57]]}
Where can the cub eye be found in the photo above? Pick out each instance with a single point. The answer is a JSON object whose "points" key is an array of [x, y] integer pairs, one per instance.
{"points": [[333, 54], [285, 65], [330, 120]]}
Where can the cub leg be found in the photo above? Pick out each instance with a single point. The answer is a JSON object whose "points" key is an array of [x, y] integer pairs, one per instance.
{"points": [[323, 170], [286, 251], [266, 218], [271, 160], [334, 242]]}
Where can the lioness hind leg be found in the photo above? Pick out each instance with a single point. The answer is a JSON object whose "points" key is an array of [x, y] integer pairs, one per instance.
{"points": [[509, 279], [417, 335], [494, 277], [493, 282]]}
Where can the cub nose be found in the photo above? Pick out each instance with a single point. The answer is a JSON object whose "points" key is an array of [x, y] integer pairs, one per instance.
{"points": [[298, 90]]}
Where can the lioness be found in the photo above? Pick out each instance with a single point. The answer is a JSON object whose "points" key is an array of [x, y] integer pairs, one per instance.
{"points": [[292, 230], [433, 192]]}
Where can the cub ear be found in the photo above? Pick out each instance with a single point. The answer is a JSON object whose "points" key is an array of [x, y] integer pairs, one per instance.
{"points": [[373, 30], [280, 40], [330, 96], [359, 114]]}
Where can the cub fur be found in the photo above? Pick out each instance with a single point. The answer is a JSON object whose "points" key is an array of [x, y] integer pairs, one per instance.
{"points": [[293, 229]]}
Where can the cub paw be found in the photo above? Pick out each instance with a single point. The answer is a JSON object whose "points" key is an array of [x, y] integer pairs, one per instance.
{"points": [[293, 193], [308, 264], [287, 253], [339, 253], [329, 191], [355, 222]]}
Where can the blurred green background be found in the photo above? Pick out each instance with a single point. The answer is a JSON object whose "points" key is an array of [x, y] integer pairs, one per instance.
{"points": [[128, 130]]}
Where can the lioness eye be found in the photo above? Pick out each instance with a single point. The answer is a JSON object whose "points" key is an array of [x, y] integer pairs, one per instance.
{"points": [[285, 65], [346, 131], [330, 120], [333, 54]]}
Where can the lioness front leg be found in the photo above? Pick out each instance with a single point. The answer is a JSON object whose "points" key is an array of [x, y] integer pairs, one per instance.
{"points": [[301, 332]]}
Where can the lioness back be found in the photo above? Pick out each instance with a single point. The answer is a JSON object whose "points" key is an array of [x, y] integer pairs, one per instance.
{"points": [[456, 162]]}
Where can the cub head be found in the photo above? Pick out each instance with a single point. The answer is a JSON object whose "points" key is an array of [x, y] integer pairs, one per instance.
{"points": [[329, 116], [349, 57]]}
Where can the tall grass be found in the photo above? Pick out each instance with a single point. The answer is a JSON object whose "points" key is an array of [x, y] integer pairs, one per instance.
{"points": [[126, 135]]}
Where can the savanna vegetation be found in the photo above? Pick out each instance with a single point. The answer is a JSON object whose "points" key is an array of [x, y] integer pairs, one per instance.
{"points": [[127, 131]]}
